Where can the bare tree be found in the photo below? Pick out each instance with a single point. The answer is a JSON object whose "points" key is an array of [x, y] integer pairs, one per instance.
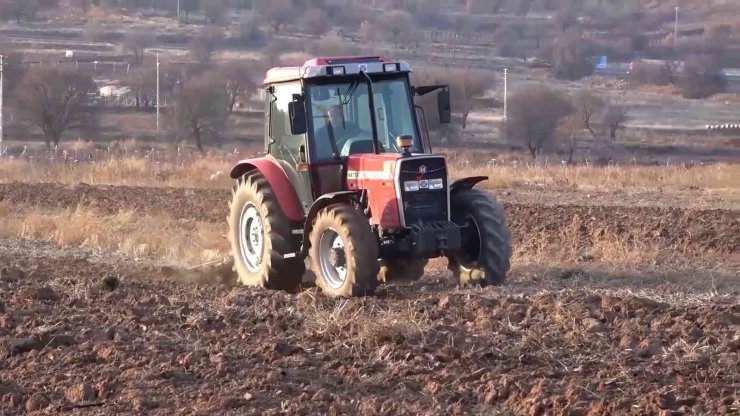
{"points": [[200, 109], [53, 100], [18, 10], [248, 29], [649, 73], [588, 105], [213, 10], [316, 22], [137, 41], [143, 84], [275, 12], [614, 118], [396, 25], [205, 43], [566, 15], [701, 77], [570, 56], [568, 132], [533, 117], [524, 7], [189, 6], [83, 5], [467, 86], [242, 79], [328, 45], [509, 42]]}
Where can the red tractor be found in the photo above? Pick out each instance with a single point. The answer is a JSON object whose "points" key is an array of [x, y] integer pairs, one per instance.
{"points": [[350, 190]]}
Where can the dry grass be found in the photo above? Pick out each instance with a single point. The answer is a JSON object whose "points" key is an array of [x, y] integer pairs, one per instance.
{"points": [[212, 172], [184, 243], [136, 171], [127, 233], [718, 177]]}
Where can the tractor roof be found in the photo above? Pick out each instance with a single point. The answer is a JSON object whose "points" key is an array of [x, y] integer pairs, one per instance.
{"points": [[335, 66]]}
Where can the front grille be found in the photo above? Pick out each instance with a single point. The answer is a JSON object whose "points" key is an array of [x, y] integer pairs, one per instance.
{"points": [[425, 205]]}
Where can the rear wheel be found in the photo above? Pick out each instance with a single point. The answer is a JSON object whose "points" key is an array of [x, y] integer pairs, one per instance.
{"points": [[260, 234], [484, 258], [402, 269], [344, 252]]}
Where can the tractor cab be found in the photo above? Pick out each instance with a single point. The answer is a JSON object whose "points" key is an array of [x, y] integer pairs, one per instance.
{"points": [[330, 109], [349, 189]]}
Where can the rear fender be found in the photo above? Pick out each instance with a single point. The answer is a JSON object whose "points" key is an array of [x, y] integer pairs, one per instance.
{"points": [[466, 183], [285, 193], [322, 202]]}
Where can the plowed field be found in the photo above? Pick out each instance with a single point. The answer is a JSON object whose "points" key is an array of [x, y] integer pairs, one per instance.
{"points": [[84, 332]]}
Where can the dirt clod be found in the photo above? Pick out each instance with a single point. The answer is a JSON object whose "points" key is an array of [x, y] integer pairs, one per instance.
{"points": [[42, 293], [11, 274], [13, 346], [80, 393], [110, 283], [36, 402]]}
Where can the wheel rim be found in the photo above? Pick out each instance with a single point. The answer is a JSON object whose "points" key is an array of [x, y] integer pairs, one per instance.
{"points": [[251, 237], [332, 258]]}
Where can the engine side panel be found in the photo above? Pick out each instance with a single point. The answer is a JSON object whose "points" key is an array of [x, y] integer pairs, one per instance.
{"points": [[376, 174]]}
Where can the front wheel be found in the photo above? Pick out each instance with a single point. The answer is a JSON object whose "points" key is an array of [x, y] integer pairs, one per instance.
{"points": [[343, 254], [485, 255]]}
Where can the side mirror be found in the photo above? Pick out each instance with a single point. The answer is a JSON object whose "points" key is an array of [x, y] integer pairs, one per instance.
{"points": [[297, 113], [443, 104]]}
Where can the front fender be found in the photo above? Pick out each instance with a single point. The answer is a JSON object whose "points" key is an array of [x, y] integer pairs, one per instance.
{"points": [[284, 191], [466, 183], [322, 202]]}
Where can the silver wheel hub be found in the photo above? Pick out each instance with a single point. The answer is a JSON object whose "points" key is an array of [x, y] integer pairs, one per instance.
{"points": [[332, 258], [251, 237]]}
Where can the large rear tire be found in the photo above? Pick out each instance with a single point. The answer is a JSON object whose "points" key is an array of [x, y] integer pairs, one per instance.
{"points": [[402, 269], [260, 235], [343, 254], [486, 241]]}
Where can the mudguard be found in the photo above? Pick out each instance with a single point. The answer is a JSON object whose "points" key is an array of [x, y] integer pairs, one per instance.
{"points": [[321, 202], [285, 193], [466, 183]]}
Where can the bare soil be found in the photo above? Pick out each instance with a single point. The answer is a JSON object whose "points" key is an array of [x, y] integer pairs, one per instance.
{"points": [[84, 335], [85, 332]]}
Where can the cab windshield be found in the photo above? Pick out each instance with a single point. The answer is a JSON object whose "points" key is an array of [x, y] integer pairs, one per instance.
{"points": [[341, 120]]}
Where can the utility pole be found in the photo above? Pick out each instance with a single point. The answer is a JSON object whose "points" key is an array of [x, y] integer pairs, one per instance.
{"points": [[506, 92], [157, 95], [675, 31], [178, 11], [2, 79], [454, 37]]}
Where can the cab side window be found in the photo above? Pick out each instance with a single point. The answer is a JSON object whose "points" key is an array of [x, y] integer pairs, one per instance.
{"points": [[285, 146]]}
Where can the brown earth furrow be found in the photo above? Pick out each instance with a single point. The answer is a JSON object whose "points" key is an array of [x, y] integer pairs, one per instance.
{"points": [[125, 340], [683, 230]]}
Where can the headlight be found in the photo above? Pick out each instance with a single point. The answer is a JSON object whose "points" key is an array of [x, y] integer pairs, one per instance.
{"points": [[411, 186], [436, 184]]}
